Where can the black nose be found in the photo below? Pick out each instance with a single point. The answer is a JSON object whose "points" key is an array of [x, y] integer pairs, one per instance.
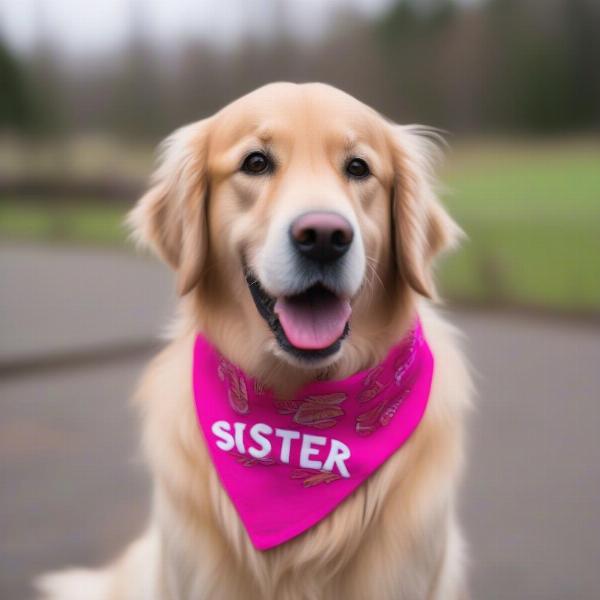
{"points": [[321, 236]]}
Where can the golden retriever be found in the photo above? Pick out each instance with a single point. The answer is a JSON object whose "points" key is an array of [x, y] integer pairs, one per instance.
{"points": [[221, 205]]}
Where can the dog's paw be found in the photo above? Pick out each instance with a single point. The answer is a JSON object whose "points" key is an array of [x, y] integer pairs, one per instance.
{"points": [[73, 584]]}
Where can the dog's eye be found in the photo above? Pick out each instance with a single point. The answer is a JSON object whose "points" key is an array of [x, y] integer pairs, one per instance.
{"points": [[357, 168], [256, 163]]}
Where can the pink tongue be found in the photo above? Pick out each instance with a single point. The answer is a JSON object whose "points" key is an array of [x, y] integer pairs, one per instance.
{"points": [[315, 323]]}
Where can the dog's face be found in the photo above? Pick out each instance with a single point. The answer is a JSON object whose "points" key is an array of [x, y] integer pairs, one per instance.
{"points": [[298, 209]]}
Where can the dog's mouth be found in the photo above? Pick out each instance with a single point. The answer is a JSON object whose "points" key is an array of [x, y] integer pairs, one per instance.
{"points": [[310, 325]]}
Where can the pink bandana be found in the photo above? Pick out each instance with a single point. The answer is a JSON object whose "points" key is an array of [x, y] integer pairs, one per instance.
{"points": [[287, 464]]}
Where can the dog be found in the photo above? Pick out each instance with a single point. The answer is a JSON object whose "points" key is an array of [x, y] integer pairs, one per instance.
{"points": [[295, 195]]}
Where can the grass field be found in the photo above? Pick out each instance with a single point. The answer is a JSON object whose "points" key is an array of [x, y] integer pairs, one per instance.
{"points": [[532, 216], [86, 222], [531, 211]]}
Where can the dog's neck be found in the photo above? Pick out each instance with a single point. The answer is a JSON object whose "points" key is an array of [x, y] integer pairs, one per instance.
{"points": [[247, 343]]}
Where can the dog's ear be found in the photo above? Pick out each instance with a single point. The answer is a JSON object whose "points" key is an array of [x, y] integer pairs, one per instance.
{"points": [[420, 225], [171, 216]]}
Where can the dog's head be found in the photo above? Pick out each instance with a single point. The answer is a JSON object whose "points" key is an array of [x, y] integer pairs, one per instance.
{"points": [[300, 211]]}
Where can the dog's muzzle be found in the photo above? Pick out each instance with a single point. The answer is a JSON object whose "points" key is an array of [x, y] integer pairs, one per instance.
{"points": [[304, 282]]}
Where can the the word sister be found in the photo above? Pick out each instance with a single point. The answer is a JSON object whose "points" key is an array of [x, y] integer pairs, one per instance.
{"points": [[287, 446]]}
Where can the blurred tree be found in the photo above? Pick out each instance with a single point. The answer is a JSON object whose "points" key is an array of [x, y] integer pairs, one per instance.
{"points": [[17, 112], [137, 104], [47, 75], [511, 64], [531, 79], [416, 41], [530, 65], [582, 26]]}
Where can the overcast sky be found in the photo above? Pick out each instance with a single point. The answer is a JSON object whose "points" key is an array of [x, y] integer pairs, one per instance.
{"points": [[81, 27]]}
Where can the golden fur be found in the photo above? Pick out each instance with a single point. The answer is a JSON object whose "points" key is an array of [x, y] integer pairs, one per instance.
{"points": [[396, 537]]}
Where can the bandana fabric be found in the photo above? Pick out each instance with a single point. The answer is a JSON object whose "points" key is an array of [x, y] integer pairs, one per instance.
{"points": [[286, 464]]}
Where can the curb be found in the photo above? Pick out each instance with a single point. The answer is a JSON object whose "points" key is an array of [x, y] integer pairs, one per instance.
{"points": [[77, 358], [112, 352]]}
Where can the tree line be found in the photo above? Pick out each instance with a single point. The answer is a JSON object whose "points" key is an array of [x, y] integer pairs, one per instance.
{"points": [[530, 66]]}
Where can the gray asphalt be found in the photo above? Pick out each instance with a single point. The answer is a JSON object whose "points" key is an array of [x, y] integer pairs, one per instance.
{"points": [[54, 299], [74, 490]]}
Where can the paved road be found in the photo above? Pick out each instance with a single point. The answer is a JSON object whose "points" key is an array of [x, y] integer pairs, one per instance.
{"points": [[54, 299], [74, 491]]}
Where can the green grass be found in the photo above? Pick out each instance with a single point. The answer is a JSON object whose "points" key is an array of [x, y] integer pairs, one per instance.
{"points": [[88, 222], [531, 212], [532, 216]]}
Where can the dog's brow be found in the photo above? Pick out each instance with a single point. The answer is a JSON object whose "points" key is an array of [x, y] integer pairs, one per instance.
{"points": [[264, 134], [350, 140], [353, 145]]}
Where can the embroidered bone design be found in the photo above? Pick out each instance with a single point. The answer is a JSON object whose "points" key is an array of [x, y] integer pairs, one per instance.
{"points": [[263, 438], [320, 411], [237, 393]]}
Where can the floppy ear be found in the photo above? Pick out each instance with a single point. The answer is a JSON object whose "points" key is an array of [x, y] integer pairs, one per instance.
{"points": [[171, 217], [421, 226]]}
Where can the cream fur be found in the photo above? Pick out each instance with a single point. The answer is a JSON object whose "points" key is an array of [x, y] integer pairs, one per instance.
{"points": [[396, 537]]}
